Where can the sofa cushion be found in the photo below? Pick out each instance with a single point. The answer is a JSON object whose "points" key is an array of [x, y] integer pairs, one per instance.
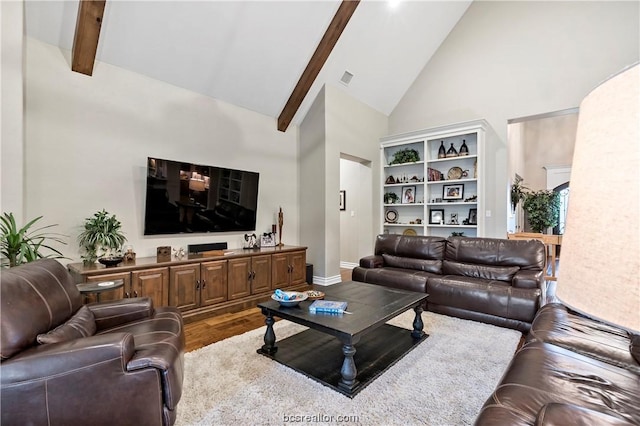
{"points": [[434, 266], [555, 324], [527, 254], [81, 324], [36, 297], [485, 272], [489, 297], [404, 279], [418, 247], [565, 414]]}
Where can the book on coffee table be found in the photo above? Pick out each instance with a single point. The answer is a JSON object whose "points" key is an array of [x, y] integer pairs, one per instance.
{"points": [[328, 307]]}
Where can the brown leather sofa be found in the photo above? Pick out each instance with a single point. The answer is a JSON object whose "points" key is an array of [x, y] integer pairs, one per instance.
{"points": [[495, 281], [572, 370], [65, 363]]}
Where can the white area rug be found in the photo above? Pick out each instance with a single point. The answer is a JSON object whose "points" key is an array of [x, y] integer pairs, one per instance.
{"points": [[444, 381]]}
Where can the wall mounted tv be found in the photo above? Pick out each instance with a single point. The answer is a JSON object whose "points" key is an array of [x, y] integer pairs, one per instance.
{"points": [[192, 198]]}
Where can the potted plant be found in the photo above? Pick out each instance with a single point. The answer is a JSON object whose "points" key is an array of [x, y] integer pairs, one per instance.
{"points": [[518, 192], [390, 197], [543, 209], [407, 155], [23, 245], [102, 237]]}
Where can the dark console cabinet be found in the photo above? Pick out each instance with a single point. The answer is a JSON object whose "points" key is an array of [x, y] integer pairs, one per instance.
{"points": [[204, 285]]}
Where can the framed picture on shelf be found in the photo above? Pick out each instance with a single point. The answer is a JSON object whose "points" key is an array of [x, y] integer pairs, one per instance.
{"points": [[453, 192], [343, 200], [473, 216], [436, 216], [408, 194]]}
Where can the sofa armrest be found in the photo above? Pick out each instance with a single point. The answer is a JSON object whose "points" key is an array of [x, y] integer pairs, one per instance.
{"points": [[531, 280], [556, 414], [44, 361], [117, 312], [373, 261]]}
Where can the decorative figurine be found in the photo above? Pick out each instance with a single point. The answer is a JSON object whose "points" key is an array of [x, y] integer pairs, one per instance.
{"points": [[280, 223]]}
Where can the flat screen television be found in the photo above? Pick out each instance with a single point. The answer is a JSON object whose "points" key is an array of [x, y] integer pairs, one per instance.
{"points": [[191, 198]]}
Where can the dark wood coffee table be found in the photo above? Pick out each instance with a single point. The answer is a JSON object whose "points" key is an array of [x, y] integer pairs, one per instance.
{"points": [[327, 352]]}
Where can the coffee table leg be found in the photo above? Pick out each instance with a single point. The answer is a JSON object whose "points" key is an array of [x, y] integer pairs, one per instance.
{"points": [[348, 371], [269, 346], [418, 325]]}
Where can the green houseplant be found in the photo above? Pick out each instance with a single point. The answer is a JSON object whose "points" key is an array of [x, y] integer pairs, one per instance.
{"points": [[543, 209], [101, 237], [24, 245], [518, 192], [390, 197], [407, 155]]}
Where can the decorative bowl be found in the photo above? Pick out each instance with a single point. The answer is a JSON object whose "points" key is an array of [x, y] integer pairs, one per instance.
{"points": [[314, 295], [295, 297], [110, 261]]}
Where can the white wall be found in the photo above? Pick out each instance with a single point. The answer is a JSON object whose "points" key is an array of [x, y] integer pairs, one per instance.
{"points": [[335, 125], [12, 107], [88, 138], [513, 59]]}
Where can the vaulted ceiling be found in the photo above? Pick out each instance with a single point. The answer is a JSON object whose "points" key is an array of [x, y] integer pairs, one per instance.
{"points": [[252, 53]]}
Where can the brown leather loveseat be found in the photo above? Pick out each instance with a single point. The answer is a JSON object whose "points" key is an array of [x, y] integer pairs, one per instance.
{"points": [[65, 363], [496, 281]]}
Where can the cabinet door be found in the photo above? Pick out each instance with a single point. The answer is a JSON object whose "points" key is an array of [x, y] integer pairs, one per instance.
{"points": [[279, 271], [184, 289], [239, 282], [298, 263], [115, 294], [213, 284], [153, 283], [260, 274]]}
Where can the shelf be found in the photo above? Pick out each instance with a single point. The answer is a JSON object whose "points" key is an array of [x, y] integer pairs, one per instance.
{"points": [[455, 203], [449, 181], [451, 226], [404, 205], [459, 157], [403, 184], [403, 164], [403, 224]]}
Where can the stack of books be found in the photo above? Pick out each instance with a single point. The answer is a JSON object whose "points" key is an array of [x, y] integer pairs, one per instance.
{"points": [[328, 307]]}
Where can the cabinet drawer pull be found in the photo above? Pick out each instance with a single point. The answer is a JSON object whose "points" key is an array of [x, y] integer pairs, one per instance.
{"points": [[203, 283], [135, 293], [198, 285], [126, 294]]}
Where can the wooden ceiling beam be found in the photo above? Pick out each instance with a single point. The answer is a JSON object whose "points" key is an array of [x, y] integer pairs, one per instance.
{"points": [[85, 40], [326, 45]]}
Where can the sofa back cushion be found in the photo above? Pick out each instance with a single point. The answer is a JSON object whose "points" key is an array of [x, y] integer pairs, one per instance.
{"points": [[487, 272], [526, 254], [36, 297], [417, 247], [434, 266]]}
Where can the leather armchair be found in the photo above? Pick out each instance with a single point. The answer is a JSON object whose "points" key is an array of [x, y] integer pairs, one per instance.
{"points": [[63, 363]]}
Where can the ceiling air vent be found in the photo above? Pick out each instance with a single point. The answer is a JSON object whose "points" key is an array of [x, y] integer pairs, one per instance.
{"points": [[346, 78]]}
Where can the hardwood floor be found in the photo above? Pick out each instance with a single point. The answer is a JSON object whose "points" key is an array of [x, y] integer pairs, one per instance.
{"points": [[205, 332]]}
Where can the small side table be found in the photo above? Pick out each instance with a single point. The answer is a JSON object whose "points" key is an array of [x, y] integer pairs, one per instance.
{"points": [[99, 287]]}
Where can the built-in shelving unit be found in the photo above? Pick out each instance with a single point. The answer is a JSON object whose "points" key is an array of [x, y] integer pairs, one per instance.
{"points": [[436, 194]]}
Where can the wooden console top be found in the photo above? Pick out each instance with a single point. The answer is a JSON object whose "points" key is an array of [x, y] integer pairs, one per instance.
{"points": [[151, 262]]}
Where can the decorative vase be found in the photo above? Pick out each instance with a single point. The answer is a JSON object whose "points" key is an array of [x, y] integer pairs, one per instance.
{"points": [[441, 152], [451, 152], [463, 149]]}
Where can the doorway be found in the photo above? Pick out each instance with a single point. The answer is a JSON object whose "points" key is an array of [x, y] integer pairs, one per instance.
{"points": [[356, 214]]}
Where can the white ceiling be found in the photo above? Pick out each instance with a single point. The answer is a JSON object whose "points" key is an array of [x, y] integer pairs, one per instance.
{"points": [[252, 53]]}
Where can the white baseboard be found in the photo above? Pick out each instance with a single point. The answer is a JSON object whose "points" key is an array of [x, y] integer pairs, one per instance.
{"points": [[348, 265], [328, 280]]}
